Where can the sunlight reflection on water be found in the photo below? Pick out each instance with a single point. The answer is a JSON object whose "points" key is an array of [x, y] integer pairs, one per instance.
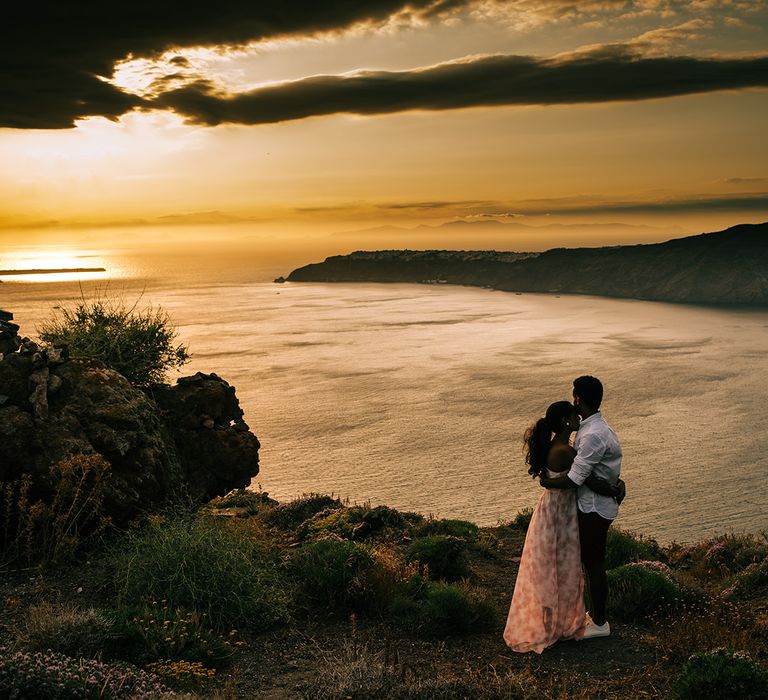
{"points": [[59, 261]]}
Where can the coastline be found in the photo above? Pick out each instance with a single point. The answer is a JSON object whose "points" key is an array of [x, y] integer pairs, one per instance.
{"points": [[724, 268]]}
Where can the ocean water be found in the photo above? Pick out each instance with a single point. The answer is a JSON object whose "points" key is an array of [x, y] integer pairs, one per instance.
{"points": [[417, 396]]}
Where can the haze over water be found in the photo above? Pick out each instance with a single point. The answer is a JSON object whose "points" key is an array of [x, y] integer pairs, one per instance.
{"points": [[417, 396]]}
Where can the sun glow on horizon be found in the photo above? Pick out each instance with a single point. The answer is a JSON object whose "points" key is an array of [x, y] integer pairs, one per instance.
{"points": [[63, 259]]}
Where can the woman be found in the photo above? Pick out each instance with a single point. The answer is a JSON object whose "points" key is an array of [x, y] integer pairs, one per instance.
{"points": [[548, 602]]}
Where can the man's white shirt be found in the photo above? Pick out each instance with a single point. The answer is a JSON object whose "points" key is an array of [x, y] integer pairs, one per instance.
{"points": [[598, 452]]}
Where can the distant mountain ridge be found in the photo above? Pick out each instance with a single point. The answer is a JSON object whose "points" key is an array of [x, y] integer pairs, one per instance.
{"points": [[508, 225], [724, 267]]}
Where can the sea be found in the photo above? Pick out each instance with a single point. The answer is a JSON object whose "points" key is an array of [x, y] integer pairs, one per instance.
{"points": [[417, 396]]}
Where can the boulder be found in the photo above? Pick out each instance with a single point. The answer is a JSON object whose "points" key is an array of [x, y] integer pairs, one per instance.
{"points": [[154, 440], [204, 418]]}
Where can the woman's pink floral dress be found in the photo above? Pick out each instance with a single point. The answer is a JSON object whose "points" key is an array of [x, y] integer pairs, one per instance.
{"points": [[548, 602]]}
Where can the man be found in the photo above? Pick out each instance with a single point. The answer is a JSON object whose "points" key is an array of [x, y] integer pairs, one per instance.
{"points": [[598, 452]]}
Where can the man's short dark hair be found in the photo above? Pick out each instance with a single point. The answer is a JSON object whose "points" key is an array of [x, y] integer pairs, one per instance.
{"points": [[589, 390]]}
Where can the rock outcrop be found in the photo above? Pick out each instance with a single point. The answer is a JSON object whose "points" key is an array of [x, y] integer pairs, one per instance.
{"points": [[9, 336], [184, 440], [216, 448]]}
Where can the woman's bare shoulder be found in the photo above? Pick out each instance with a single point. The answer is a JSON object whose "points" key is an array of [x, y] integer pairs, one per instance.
{"points": [[560, 457]]}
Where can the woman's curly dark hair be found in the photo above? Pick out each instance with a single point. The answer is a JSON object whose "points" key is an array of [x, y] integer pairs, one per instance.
{"points": [[538, 437]]}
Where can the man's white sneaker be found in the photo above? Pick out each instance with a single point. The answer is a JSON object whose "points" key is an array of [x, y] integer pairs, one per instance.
{"points": [[594, 630]]}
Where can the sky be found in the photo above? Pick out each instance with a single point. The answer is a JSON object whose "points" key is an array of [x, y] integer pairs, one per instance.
{"points": [[325, 127]]}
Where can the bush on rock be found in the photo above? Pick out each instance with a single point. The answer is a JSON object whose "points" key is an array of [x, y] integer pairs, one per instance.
{"points": [[138, 343]]}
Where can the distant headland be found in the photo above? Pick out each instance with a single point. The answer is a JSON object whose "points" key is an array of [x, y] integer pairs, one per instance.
{"points": [[52, 271], [724, 267]]}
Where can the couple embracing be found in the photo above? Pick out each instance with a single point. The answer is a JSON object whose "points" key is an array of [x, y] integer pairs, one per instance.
{"points": [[569, 526]]}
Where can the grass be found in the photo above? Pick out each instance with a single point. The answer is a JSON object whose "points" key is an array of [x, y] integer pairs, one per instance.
{"points": [[45, 529], [623, 547], [159, 632], [68, 629], [286, 577], [220, 569], [749, 583], [700, 627]]}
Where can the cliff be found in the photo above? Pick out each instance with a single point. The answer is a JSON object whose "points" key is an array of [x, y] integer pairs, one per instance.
{"points": [[725, 267], [189, 438]]}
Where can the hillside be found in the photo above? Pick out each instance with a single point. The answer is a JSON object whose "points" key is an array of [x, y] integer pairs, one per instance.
{"points": [[316, 599], [725, 267]]}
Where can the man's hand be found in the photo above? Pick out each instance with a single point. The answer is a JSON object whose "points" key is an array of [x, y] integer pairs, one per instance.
{"points": [[622, 491]]}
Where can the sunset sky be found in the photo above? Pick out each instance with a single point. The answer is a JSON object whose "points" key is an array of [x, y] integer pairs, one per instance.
{"points": [[284, 123]]}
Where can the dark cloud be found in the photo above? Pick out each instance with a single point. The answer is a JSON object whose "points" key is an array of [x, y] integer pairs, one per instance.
{"points": [[51, 53], [434, 205], [748, 202], [746, 180], [753, 202], [604, 74]]}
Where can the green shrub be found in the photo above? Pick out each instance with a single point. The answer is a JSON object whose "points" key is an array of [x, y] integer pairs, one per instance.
{"points": [[68, 629], [718, 563], [290, 515], [452, 610], [138, 343], [51, 676], [440, 609], [732, 553], [623, 547], [522, 519], [204, 564], [750, 583], [184, 676], [246, 502], [723, 674], [335, 575], [454, 528], [636, 592], [354, 522], [50, 528], [338, 522], [159, 632], [444, 555]]}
